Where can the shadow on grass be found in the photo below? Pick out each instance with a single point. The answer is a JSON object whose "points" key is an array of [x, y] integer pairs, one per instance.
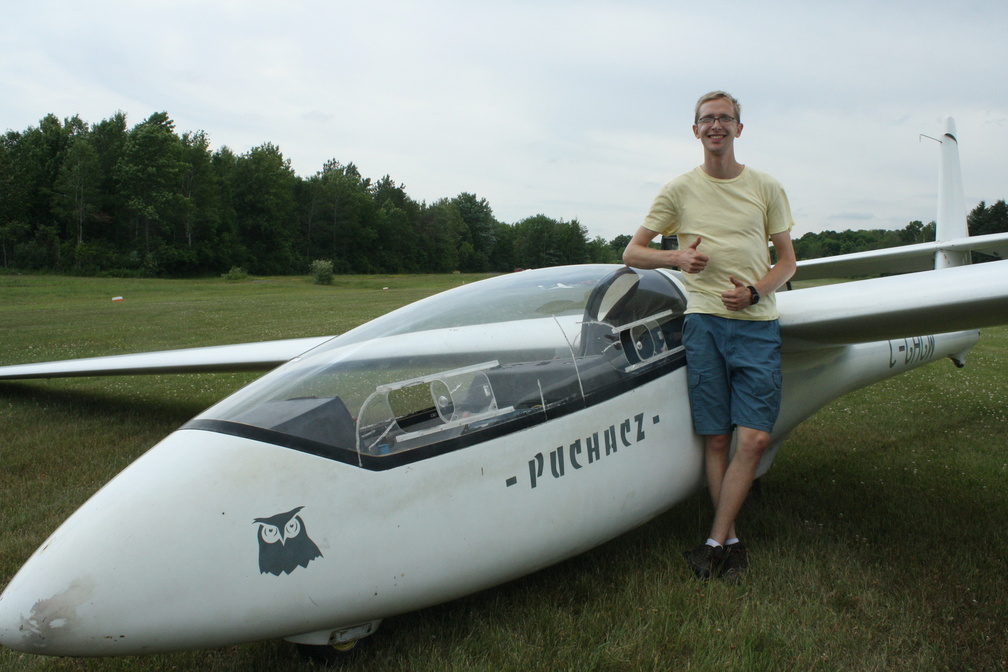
{"points": [[126, 405]]}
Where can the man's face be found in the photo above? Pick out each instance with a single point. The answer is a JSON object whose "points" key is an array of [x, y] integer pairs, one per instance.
{"points": [[718, 136]]}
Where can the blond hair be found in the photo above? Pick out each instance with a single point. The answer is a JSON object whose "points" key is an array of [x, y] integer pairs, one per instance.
{"points": [[717, 95]]}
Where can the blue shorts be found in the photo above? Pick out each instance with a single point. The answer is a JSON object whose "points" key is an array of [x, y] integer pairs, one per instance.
{"points": [[734, 373]]}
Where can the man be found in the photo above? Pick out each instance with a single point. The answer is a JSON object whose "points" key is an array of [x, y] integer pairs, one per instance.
{"points": [[723, 214]]}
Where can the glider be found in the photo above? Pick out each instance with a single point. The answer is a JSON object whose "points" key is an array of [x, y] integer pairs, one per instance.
{"points": [[451, 445]]}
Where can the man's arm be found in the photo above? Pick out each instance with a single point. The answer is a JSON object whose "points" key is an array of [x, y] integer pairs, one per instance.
{"points": [[638, 255], [785, 266], [739, 297]]}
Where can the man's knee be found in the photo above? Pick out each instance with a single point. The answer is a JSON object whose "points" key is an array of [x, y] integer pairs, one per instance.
{"points": [[752, 443], [717, 444]]}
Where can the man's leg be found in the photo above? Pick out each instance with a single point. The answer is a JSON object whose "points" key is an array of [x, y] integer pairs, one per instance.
{"points": [[737, 481], [753, 359], [705, 560], [716, 453]]}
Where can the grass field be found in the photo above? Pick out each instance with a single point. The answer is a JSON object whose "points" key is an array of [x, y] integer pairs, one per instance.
{"points": [[878, 538]]}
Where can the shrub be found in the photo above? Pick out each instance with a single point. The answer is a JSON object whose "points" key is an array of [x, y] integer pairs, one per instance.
{"points": [[236, 274], [322, 271]]}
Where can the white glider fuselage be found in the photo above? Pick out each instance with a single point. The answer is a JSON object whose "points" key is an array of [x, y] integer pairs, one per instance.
{"points": [[185, 528], [187, 573]]}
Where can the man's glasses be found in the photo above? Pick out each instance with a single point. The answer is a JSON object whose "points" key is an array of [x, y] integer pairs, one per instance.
{"points": [[724, 119]]}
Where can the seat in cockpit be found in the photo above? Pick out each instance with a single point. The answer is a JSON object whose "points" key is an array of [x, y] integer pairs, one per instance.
{"points": [[627, 297]]}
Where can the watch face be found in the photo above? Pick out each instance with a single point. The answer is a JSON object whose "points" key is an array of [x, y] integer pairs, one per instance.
{"points": [[754, 295]]}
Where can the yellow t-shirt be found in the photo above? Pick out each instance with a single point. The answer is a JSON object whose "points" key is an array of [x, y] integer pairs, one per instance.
{"points": [[735, 219]]}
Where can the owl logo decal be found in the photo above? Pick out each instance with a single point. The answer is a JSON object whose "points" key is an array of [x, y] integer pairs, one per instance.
{"points": [[284, 544]]}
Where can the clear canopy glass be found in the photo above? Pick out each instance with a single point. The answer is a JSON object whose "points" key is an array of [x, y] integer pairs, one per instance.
{"points": [[466, 365]]}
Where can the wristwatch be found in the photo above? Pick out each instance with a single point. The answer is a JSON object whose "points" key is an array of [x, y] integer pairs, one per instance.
{"points": [[753, 296]]}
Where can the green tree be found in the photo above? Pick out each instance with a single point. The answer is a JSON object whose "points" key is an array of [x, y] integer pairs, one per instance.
{"points": [[34, 160], [149, 176], [232, 250], [481, 224], [195, 233], [572, 243], [262, 186], [503, 259], [442, 228], [14, 228], [76, 190], [111, 221], [541, 241], [345, 212], [400, 248], [601, 252], [913, 233], [983, 220], [309, 195]]}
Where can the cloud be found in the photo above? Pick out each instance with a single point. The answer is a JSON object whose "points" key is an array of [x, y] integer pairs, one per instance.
{"points": [[575, 110]]}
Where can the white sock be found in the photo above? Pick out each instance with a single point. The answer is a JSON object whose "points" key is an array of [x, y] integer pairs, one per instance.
{"points": [[733, 540], [711, 542]]}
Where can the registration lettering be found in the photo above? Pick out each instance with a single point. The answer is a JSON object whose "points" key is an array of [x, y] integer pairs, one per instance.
{"points": [[907, 351]]}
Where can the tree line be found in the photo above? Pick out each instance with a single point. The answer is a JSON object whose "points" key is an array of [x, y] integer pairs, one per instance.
{"points": [[982, 220], [106, 199]]}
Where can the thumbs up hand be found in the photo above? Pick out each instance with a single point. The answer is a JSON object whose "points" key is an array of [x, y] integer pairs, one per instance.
{"points": [[691, 260], [738, 297]]}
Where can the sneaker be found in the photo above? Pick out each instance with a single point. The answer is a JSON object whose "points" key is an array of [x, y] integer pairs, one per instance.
{"points": [[704, 560], [736, 562]]}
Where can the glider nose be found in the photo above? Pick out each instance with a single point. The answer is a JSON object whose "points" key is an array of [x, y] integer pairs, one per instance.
{"points": [[29, 623], [97, 584], [54, 604], [164, 557]]}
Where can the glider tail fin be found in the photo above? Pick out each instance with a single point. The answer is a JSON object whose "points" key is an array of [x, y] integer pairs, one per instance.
{"points": [[950, 223], [952, 247]]}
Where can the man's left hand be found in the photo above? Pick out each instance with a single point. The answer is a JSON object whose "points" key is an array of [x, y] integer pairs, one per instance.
{"points": [[737, 298]]}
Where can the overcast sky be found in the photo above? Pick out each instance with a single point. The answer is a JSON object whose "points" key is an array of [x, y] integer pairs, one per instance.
{"points": [[576, 110]]}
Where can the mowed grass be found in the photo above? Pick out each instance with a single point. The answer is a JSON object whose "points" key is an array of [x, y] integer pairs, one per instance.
{"points": [[877, 538]]}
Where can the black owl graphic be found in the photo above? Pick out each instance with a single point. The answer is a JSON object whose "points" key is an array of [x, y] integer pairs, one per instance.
{"points": [[284, 544]]}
